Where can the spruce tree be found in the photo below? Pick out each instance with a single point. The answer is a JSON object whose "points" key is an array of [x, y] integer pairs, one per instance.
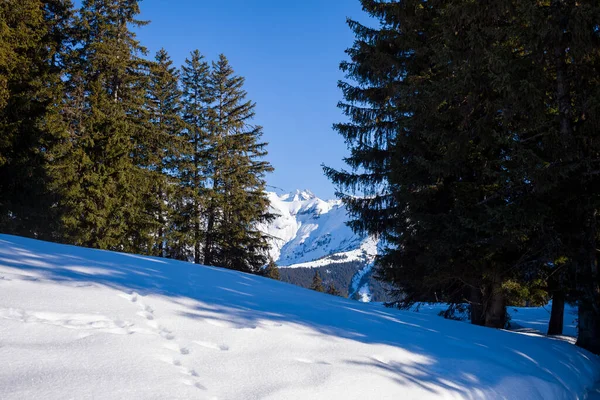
{"points": [[272, 271], [317, 283], [433, 148], [102, 188], [194, 166], [33, 37], [235, 197], [159, 150], [566, 38]]}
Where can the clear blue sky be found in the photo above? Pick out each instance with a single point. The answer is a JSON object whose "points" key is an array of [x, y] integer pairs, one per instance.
{"points": [[289, 53]]}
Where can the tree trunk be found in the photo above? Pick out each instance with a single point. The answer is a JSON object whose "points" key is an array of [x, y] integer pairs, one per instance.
{"points": [[196, 232], [589, 306], [495, 307], [162, 222], [555, 326], [476, 300], [209, 235], [589, 327]]}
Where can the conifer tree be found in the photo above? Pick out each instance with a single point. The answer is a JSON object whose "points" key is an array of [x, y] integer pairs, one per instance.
{"points": [[33, 36], [317, 283], [235, 198], [432, 147], [194, 165], [272, 271], [471, 133], [159, 151], [102, 188], [566, 41]]}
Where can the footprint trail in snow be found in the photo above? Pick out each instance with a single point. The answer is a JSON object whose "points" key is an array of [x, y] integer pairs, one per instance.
{"points": [[147, 312]]}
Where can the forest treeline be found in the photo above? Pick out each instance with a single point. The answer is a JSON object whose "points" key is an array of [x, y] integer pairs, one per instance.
{"points": [[102, 146], [473, 128]]}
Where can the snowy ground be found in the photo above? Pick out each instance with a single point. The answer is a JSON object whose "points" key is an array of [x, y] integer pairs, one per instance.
{"points": [[531, 320], [79, 323]]}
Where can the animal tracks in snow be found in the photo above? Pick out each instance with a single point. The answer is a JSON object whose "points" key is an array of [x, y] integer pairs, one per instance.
{"points": [[147, 312], [71, 321], [214, 346], [176, 348], [165, 333]]}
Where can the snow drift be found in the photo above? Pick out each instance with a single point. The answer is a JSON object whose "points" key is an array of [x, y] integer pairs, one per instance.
{"points": [[80, 323]]}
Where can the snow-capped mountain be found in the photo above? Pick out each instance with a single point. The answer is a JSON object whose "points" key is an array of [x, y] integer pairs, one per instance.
{"points": [[310, 232]]}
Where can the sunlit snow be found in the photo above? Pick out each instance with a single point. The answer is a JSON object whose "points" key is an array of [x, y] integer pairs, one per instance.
{"points": [[88, 324]]}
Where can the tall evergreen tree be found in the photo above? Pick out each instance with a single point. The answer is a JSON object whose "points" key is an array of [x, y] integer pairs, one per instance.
{"points": [[159, 151], [433, 147], [33, 36], [102, 187], [471, 133], [194, 165], [236, 200], [565, 37]]}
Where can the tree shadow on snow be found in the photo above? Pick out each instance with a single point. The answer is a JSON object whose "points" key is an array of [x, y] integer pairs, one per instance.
{"points": [[429, 352]]}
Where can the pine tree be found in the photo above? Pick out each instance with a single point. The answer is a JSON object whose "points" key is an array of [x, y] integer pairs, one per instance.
{"points": [[33, 36], [317, 283], [194, 165], [102, 188], [272, 271], [235, 196]]}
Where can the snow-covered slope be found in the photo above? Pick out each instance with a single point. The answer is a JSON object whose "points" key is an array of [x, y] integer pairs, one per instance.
{"points": [[308, 229], [87, 324]]}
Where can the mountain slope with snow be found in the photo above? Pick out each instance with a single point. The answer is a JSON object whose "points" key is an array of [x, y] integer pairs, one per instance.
{"points": [[307, 229], [311, 233], [90, 324]]}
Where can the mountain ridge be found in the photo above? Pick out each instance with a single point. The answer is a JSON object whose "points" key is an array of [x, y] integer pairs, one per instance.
{"points": [[308, 229], [311, 234]]}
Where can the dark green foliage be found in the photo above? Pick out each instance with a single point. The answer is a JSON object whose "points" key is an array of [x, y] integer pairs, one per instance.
{"points": [[472, 135], [103, 148], [221, 173], [101, 187], [317, 282], [158, 154], [235, 199], [340, 275], [271, 271], [194, 164], [33, 36]]}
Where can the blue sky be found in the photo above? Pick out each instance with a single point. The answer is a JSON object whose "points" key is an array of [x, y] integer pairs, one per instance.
{"points": [[289, 53]]}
